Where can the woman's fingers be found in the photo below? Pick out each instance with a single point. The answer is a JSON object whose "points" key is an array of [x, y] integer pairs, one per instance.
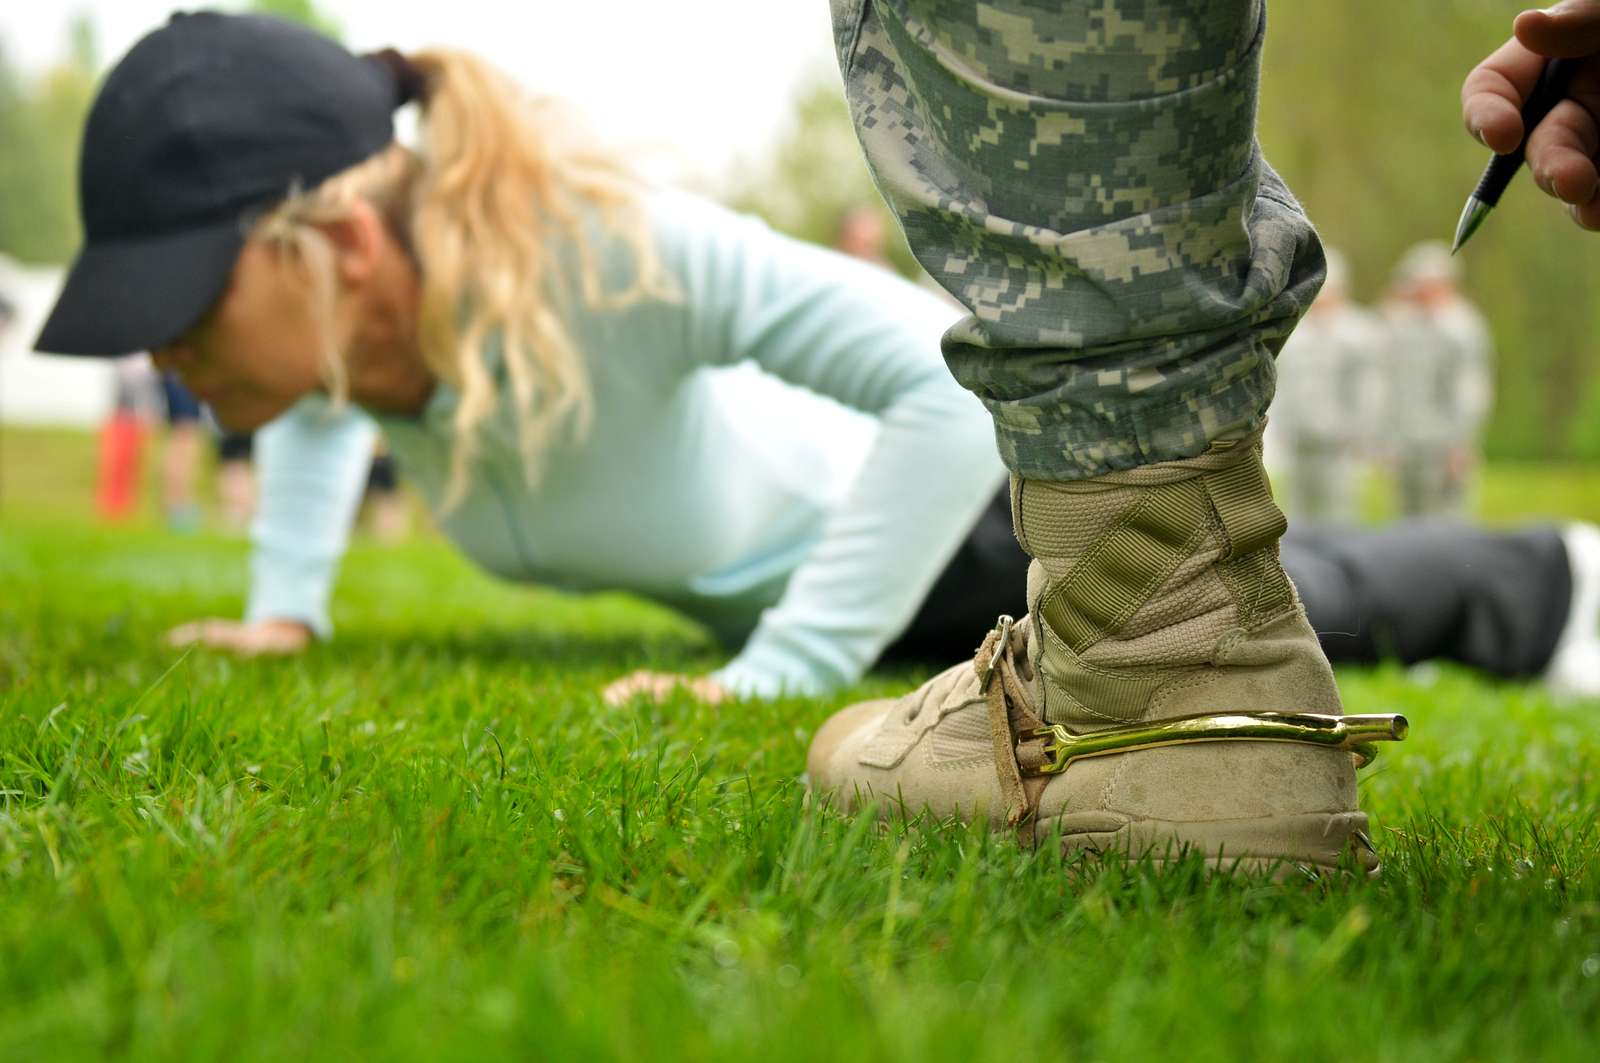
{"points": [[186, 634], [1493, 94], [1564, 31], [709, 690], [658, 686], [621, 691], [264, 637], [274, 637]]}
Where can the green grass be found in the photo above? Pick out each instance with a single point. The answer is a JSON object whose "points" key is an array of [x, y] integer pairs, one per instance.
{"points": [[430, 840]]}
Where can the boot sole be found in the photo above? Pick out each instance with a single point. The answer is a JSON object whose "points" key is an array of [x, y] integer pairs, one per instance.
{"points": [[1325, 842]]}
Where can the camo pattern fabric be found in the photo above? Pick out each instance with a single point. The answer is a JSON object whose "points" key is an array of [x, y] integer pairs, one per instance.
{"points": [[1084, 178]]}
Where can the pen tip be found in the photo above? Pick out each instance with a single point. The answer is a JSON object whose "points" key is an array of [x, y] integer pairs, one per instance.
{"points": [[1471, 217]]}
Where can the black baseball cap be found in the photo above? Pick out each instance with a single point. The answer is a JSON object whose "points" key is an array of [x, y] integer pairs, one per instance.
{"points": [[204, 123]]}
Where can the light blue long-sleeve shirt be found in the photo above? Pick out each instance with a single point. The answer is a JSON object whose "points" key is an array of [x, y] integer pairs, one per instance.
{"points": [[779, 453]]}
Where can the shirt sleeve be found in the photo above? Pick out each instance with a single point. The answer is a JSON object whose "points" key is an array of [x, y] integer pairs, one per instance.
{"points": [[311, 467], [869, 339]]}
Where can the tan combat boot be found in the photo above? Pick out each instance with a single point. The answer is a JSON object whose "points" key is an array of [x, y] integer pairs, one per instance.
{"points": [[1161, 619]]}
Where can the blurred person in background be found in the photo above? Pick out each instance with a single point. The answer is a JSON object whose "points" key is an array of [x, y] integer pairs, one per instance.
{"points": [[547, 393], [1442, 382], [1330, 403], [181, 450], [236, 479], [136, 403], [141, 396], [388, 512], [863, 233]]}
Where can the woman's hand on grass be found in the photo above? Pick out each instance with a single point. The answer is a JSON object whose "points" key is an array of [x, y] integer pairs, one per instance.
{"points": [[1563, 148], [658, 686], [261, 637]]}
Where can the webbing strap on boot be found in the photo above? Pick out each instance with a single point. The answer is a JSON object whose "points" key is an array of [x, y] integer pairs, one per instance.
{"points": [[1117, 575]]}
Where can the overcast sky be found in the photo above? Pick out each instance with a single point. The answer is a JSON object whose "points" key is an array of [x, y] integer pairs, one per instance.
{"points": [[707, 82]]}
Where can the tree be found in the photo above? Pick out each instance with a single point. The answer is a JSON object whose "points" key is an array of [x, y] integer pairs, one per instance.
{"points": [[41, 126]]}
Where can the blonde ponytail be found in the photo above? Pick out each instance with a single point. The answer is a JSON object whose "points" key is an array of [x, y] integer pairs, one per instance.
{"points": [[501, 186]]}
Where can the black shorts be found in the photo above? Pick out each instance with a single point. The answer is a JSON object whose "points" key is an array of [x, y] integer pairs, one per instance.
{"points": [[235, 446]]}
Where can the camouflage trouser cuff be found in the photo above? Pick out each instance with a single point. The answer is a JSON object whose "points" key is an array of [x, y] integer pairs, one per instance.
{"points": [[1095, 198], [1067, 434]]}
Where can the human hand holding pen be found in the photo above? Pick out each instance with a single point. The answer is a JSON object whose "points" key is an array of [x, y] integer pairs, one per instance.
{"points": [[1562, 151]]}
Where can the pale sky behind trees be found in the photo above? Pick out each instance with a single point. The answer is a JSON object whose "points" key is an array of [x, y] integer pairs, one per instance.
{"points": [[698, 85]]}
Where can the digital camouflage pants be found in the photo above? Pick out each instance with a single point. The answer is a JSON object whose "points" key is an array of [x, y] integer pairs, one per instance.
{"points": [[1084, 178]]}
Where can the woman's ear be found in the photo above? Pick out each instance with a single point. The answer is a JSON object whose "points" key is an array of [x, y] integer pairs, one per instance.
{"points": [[359, 242]]}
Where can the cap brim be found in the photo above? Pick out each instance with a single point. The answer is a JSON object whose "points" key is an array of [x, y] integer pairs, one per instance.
{"points": [[136, 295]]}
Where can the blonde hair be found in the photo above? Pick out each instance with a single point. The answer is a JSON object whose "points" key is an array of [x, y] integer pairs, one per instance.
{"points": [[501, 185]]}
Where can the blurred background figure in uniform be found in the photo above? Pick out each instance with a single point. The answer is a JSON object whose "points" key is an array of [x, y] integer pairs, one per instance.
{"points": [[1441, 373], [1329, 402], [864, 234]]}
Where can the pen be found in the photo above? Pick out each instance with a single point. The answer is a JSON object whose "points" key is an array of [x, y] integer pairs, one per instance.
{"points": [[1497, 175]]}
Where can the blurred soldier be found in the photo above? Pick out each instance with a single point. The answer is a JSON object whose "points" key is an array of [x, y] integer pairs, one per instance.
{"points": [[863, 234], [1329, 401], [1442, 382]]}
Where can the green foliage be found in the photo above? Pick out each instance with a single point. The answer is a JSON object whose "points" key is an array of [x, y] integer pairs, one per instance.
{"points": [[305, 12], [430, 840], [815, 175], [41, 127]]}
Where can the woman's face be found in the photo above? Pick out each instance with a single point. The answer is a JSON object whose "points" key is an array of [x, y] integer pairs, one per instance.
{"points": [[255, 353]]}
